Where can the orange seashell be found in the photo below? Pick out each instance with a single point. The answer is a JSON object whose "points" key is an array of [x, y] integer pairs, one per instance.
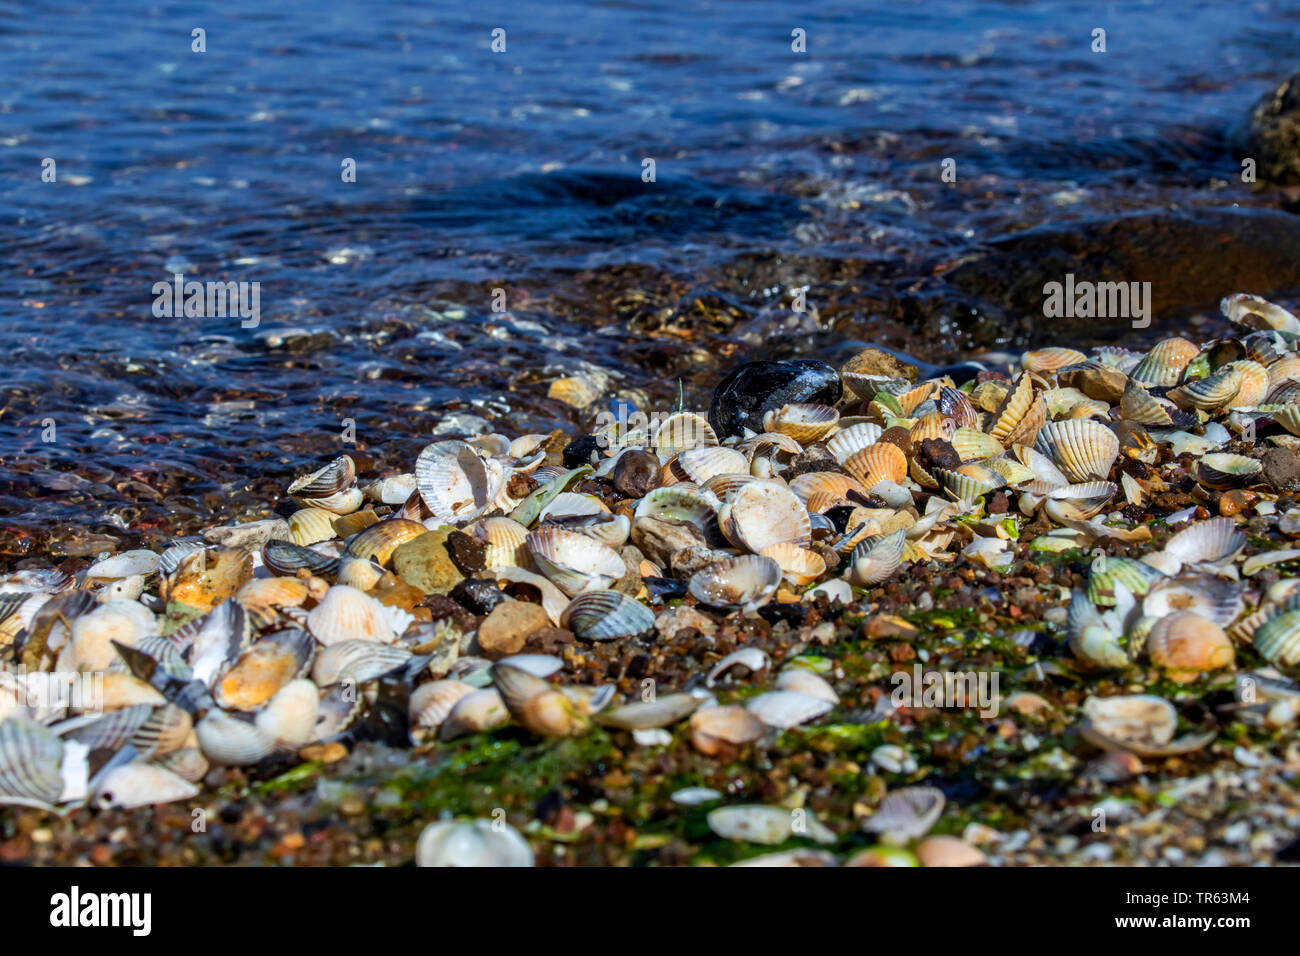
{"points": [[1187, 645], [876, 463]]}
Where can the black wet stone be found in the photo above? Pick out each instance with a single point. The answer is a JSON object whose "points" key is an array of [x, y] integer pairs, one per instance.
{"points": [[665, 589], [581, 451], [792, 613], [477, 596], [756, 388], [466, 553]]}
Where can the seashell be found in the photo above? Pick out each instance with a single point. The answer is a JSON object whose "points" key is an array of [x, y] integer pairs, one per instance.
{"points": [[701, 464], [339, 503], [123, 565], [107, 731], [188, 763], [767, 825], [747, 582], [829, 483], [503, 541], [1255, 384], [345, 526], [1108, 573], [876, 463], [1013, 409], [932, 425], [261, 596], [1047, 361], [974, 445], [289, 719], [846, 441], [763, 513], [682, 432], [226, 740], [540, 707], [725, 485], [539, 665], [610, 530], [1265, 347], [574, 562], [263, 669], [876, 559], [165, 730], [217, 639], [474, 713], [803, 681], [1084, 450], [360, 573], [1288, 416], [357, 662], [605, 615], [171, 559], [1252, 311], [772, 445], [714, 729], [141, 785], [755, 659], [348, 614], [949, 851], [691, 505], [906, 814], [568, 504], [1140, 406], [1165, 363], [1278, 639], [31, 762], [287, 558], [393, 490], [970, 481], [379, 541], [955, 404], [1214, 541], [1212, 598], [1186, 643], [126, 690], [805, 423], [1283, 368], [799, 565], [457, 483], [646, 715], [432, 703], [206, 578], [333, 478], [1222, 470], [476, 843], [787, 708], [1209, 394], [90, 645]]}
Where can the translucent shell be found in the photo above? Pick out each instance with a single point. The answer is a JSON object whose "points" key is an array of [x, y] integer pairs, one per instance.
{"points": [[1014, 408], [1255, 384], [748, 581]]}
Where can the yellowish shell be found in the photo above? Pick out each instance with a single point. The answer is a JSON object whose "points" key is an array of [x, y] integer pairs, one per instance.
{"points": [[578, 391], [933, 425], [1047, 361], [379, 541], [1255, 384], [799, 565], [805, 423], [1014, 408], [311, 525]]}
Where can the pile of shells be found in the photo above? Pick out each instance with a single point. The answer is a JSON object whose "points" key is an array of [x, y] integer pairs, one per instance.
{"points": [[420, 594]]}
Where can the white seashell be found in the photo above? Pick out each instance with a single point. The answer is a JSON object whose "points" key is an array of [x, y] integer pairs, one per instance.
{"points": [[803, 681], [701, 464], [457, 483], [141, 785], [694, 796], [906, 814], [747, 582], [754, 658], [124, 565], [854, 438], [289, 718], [476, 843], [1214, 541], [348, 614], [786, 708], [763, 513], [836, 589], [539, 665], [766, 825], [473, 713], [574, 562], [226, 740], [893, 759]]}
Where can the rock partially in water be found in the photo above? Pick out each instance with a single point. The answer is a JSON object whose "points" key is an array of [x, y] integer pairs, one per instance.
{"points": [[758, 387], [1270, 135], [1191, 258]]}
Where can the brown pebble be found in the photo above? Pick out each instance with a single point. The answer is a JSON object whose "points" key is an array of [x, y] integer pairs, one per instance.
{"points": [[506, 629], [637, 473]]}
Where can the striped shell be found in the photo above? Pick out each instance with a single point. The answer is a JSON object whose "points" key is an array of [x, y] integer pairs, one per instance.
{"points": [[574, 562], [457, 483], [1255, 384], [333, 478], [605, 615], [1209, 394], [805, 423], [876, 463], [876, 559], [799, 565], [311, 525], [1084, 450], [503, 543], [31, 758], [379, 541], [1014, 408], [701, 464], [846, 441], [1165, 363], [682, 432], [356, 661], [1278, 639], [348, 614], [1047, 361]]}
